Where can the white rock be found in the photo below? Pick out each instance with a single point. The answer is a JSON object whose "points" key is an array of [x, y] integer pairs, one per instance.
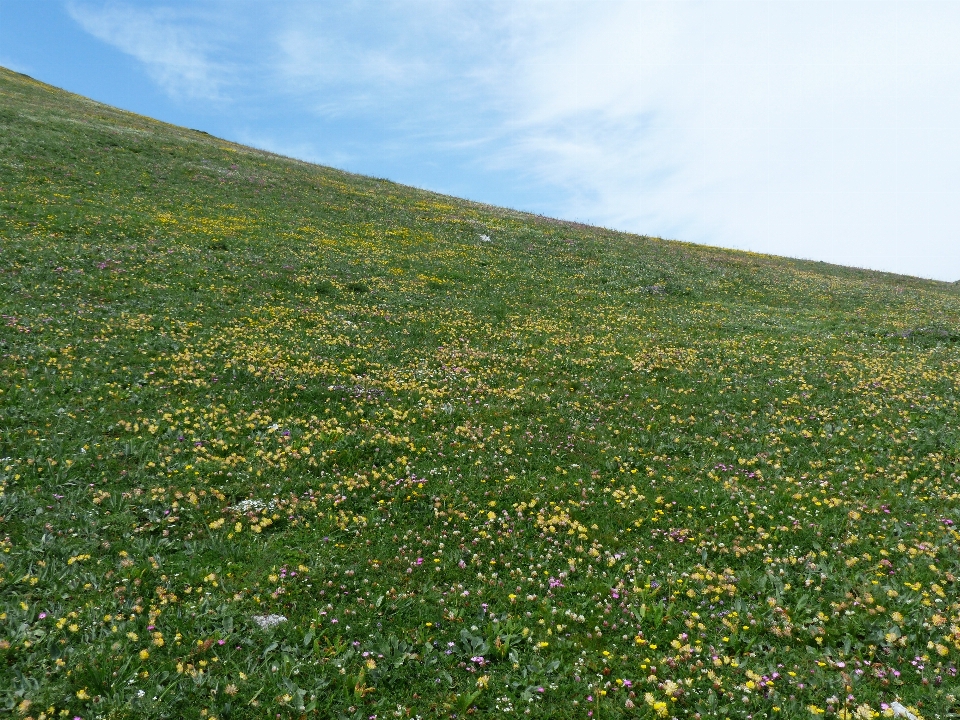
{"points": [[268, 621], [900, 711], [252, 504]]}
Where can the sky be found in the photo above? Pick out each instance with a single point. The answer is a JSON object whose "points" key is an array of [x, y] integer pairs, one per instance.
{"points": [[821, 129]]}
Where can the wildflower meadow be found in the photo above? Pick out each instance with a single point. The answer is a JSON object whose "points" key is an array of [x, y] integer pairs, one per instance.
{"points": [[278, 441]]}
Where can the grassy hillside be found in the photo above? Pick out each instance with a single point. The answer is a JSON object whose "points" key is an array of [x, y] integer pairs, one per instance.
{"points": [[281, 441]]}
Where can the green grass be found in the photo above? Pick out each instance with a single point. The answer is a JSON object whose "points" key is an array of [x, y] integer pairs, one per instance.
{"points": [[638, 478]]}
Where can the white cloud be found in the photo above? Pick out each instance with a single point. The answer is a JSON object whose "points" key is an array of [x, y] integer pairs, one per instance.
{"points": [[811, 129], [176, 53]]}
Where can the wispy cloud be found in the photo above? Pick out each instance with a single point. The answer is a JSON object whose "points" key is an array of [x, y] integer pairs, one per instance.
{"points": [[811, 129], [375, 57], [175, 49]]}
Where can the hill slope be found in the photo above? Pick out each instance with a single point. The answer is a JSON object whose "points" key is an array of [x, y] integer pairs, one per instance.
{"points": [[280, 440]]}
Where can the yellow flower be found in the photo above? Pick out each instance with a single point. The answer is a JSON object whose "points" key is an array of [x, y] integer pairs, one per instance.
{"points": [[144, 654], [483, 681], [82, 694]]}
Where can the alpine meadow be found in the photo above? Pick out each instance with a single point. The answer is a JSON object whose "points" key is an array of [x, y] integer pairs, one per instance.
{"points": [[279, 441]]}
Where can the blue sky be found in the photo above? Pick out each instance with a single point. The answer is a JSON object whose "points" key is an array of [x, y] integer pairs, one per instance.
{"points": [[823, 130]]}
